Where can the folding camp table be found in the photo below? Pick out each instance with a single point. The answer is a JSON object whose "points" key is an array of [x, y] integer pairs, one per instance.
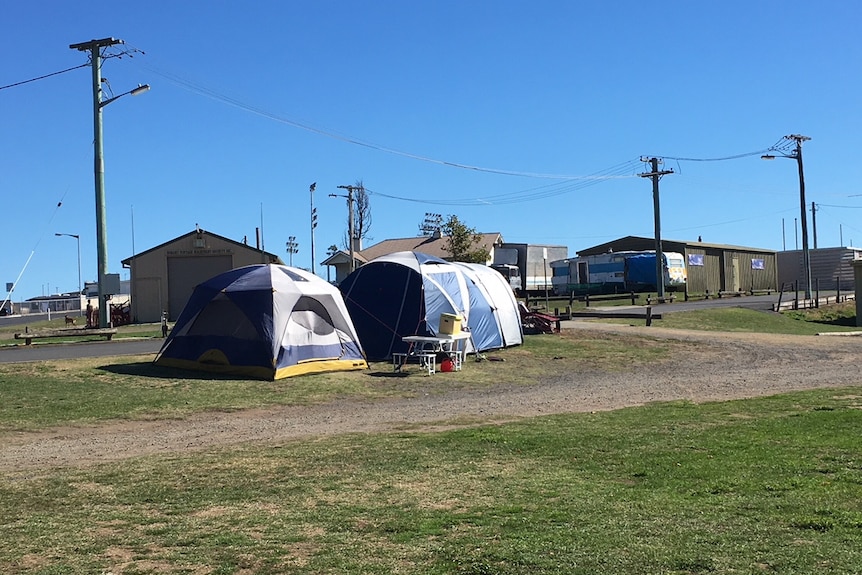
{"points": [[425, 349]]}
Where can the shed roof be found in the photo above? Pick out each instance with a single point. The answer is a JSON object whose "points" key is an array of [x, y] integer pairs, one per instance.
{"points": [[644, 243], [198, 231]]}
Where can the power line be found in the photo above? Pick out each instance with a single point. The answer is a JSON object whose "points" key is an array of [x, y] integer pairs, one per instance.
{"points": [[541, 192], [43, 77], [780, 145], [218, 96], [210, 93], [331, 134]]}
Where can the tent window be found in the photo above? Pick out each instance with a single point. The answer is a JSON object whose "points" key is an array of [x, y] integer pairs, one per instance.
{"points": [[293, 276], [312, 315], [221, 317]]}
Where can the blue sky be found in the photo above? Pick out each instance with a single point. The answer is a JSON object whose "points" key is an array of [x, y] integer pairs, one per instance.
{"points": [[446, 107]]}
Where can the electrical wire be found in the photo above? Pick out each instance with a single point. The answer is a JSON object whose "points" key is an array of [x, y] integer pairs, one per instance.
{"points": [[212, 94], [570, 182], [541, 192], [43, 77], [781, 145]]}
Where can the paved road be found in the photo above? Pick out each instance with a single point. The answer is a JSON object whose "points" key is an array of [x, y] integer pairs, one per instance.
{"points": [[10, 320], [44, 352], [760, 302]]}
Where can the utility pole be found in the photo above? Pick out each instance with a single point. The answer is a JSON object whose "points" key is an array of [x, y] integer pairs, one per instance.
{"points": [[350, 220], [313, 222], [796, 233], [95, 47], [806, 256], [656, 175], [814, 222], [796, 154]]}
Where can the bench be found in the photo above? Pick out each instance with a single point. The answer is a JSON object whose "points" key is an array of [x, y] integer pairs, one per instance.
{"points": [[29, 336]]}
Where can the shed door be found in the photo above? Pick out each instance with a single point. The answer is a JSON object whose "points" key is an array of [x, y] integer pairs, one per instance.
{"points": [[185, 273]]}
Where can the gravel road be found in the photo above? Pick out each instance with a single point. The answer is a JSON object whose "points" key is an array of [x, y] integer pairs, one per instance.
{"points": [[719, 366]]}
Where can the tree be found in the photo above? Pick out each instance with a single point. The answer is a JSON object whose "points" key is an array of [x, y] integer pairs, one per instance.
{"points": [[462, 242], [362, 224]]}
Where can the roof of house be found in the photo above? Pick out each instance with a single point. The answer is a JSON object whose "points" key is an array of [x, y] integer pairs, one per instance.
{"points": [[195, 232], [431, 245]]}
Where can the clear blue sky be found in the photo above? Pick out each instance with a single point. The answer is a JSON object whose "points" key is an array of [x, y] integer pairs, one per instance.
{"points": [[426, 103]]}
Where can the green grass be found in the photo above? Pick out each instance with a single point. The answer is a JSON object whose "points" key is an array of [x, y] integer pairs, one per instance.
{"points": [[769, 485], [808, 322], [85, 391]]}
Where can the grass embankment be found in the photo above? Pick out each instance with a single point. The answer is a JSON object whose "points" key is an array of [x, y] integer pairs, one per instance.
{"points": [[769, 485]]}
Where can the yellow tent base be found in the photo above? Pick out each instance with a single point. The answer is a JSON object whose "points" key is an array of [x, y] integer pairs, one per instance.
{"points": [[265, 372], [321, 367]]}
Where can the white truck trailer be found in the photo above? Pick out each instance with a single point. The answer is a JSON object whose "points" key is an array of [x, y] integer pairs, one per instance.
{"points": [[527, 266]]}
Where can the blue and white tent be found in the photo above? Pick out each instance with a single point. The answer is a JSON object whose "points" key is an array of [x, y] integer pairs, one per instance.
{"points": [[267, 321], [495, 321], [405, 293]]}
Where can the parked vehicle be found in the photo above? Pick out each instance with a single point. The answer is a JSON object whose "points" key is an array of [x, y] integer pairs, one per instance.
{"points": [[617, 272], [527, 266]]}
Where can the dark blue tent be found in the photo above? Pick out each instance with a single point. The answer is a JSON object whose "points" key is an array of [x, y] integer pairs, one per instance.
{"points": [[405, 293]]}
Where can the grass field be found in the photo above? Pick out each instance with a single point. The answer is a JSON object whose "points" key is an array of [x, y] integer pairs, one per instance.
{"points": [[760, 486], [85, 391], [770, 485]]}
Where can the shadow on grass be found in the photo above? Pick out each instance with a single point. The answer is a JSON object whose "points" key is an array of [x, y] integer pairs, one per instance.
{"points": [[149, 369], [838, 321], [395, 374]]}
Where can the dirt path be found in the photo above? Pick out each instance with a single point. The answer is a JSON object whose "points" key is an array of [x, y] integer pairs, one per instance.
{"points": [[720, 366]]}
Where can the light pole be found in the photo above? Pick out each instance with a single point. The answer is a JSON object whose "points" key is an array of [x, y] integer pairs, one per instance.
{"points": [[796, 154], [313, 222], [95, 47], [77, 239], [292, 248]]}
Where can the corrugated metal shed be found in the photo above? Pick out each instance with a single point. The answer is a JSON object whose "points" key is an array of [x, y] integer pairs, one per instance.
{"points": [[710, 267], [831, 268]]}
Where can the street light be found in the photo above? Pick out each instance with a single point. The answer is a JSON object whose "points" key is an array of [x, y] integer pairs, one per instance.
{"points": [[292, 248], [796, 154], [77, 239], [95, 47]]}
